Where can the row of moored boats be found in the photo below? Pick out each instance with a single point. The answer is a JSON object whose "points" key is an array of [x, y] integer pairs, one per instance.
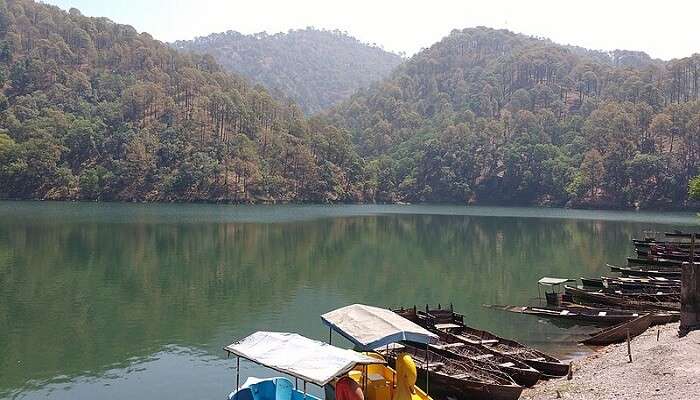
{"points": [[644, 293], [403, 354]]}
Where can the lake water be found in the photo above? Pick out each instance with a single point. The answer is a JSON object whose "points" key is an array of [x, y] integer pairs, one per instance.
{"points": [[117, 301]]}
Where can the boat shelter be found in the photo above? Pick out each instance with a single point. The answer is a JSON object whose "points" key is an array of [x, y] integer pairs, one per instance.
{"points": [[303, 358], [371, 327]]}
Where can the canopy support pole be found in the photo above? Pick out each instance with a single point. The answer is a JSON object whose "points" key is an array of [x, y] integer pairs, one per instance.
{"points": [[238, 372], [330, 335], [427, 369], [364, 380]]}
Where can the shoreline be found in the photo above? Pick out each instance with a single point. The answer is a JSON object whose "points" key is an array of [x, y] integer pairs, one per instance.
{"points": [[693, 208], [663, 369]]}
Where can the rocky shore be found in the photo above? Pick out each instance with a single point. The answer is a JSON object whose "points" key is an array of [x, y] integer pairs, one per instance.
{"points": [[665, 369]]}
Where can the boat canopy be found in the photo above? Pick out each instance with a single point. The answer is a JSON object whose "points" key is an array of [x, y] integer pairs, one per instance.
{"points": [[298, 356], [554, 281], [372, 327]]}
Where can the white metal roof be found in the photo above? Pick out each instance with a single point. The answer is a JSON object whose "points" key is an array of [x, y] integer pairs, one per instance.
{"points": [[372, 327], [554, 281], [298, 356]]}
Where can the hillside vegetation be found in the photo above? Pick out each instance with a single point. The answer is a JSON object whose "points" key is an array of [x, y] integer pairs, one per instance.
{"points": [[91, 109], [488, 116], [315, 68]]}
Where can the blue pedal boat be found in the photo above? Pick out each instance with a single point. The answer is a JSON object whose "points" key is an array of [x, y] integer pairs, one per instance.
{"points": [[269, 389]]}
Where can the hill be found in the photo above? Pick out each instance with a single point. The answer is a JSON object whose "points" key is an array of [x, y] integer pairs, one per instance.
{"points": [[489, 116], [94, 110], [315, 68]]}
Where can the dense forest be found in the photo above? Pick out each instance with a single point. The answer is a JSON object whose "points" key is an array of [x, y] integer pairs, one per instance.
{"points": [[315, 68], [94, 110], [488, 116], [90, 109]]}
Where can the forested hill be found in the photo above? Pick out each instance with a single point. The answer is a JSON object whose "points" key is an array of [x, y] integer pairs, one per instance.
{"points": [[94, 110], [315, 68], [488, 116], [90, 109]]}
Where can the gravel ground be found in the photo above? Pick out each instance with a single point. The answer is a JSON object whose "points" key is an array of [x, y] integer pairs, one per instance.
{"points": [[667, 369]]}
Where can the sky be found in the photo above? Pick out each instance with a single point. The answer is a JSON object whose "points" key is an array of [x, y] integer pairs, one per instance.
{"points": [[664, 29]]}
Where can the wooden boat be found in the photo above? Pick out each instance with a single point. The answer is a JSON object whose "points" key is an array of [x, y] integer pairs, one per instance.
{"points": [[627, 271], [642, 288], [637, 294], [657, 262], [592, 282], [522, 374], [648, 289], [578, 314], [458, 379], [619, 333], [637, 285], [680, 234], [666, 255], [588, 297], [645, 280], [592, 315], [643, 284], [450, 328], [645, 243], [661, 295]]}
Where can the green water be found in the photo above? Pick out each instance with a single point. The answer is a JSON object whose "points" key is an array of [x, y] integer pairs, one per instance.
{"points": [[117, 301]]}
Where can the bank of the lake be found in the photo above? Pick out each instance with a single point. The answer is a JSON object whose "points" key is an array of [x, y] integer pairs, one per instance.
{"points": [[666, 368], [108, 300]]}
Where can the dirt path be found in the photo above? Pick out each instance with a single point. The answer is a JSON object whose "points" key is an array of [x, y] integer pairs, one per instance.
{"points": [[667, 369]]}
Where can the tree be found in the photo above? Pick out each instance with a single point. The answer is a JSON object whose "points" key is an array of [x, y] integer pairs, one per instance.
{"points": [[694, 188]]}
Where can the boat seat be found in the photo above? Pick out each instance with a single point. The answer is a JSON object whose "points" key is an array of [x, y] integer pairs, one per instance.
{"points": [[375, 377], [448, 345], [483, 356], [446, 326], [436, 365], [466, 339], [488, 341], [460, 376], [539, 359], [283, 390], [507, 364], [602, 313]]}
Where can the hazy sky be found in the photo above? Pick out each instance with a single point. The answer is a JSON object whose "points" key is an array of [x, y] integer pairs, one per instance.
{"points": [[665, 29]]}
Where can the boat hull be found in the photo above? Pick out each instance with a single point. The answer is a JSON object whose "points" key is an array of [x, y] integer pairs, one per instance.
{"points": [[620, 333], [443, 386], [439, 384], [522, 374], [582, 296]]}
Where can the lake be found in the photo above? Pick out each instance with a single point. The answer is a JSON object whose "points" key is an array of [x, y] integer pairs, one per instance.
{"points": [[117, 301]]}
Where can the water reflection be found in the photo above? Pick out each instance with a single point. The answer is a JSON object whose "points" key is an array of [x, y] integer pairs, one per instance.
{"points": [[83, 294], [165, 374]]}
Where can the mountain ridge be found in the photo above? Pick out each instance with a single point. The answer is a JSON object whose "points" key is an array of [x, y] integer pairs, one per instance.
{"points": [[316, 68]]}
